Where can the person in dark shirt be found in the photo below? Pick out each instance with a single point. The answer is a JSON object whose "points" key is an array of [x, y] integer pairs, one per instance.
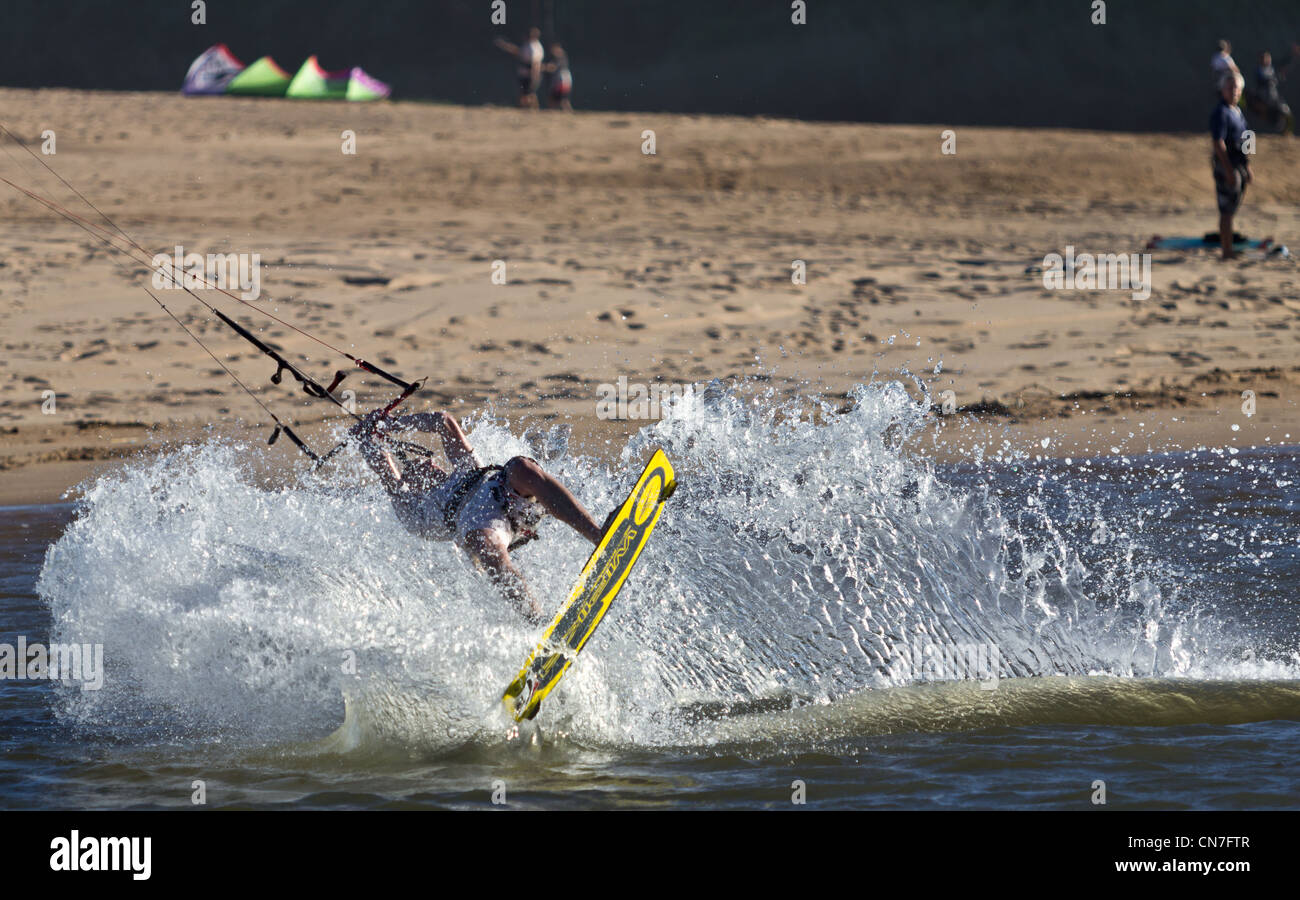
{"points": [[1232, 170], [1266, 77], [1266, 101]]}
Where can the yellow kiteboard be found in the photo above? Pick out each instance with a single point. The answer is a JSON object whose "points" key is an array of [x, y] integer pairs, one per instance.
{"points": [[596, 588]]}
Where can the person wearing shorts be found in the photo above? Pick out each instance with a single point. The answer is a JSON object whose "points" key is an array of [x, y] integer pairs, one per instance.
{"points": [[528, 65], [561, 87], [486, 510], [1231, 166]]}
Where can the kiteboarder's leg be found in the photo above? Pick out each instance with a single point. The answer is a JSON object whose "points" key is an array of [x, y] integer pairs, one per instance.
{"points": [[490, 552], [443, 424], [396, 481], [527, 479]]}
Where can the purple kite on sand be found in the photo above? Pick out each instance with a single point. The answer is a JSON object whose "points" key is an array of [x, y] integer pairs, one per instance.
{"points": [[212, 71], [366, 87]]}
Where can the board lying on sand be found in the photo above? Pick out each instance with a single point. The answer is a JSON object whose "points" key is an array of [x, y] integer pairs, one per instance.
{"points": [[1211, 241], [597, 586]]}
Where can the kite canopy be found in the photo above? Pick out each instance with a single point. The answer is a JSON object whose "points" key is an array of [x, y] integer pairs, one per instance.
{"points": [[212, 71], [263, 78], [365, 87], [314, 83], [217, 71]]}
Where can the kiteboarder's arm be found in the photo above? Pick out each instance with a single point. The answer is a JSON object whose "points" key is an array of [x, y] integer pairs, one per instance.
{"points": [[507, 46], [459, 453], [379, 460], [493, 557]]}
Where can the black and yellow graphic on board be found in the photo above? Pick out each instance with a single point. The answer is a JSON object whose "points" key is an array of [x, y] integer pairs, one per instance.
{"points": [[597, 586]]}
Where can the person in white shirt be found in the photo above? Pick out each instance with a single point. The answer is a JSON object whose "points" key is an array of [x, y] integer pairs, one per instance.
{"points": [[561, 87], [1221, 64], [528, 65]]}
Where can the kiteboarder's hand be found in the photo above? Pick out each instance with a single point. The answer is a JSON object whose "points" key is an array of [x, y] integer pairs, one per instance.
{"points": [[370, 423]]}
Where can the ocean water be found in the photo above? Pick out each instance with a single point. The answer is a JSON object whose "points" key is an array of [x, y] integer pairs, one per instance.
{"points": [[823, 614]]}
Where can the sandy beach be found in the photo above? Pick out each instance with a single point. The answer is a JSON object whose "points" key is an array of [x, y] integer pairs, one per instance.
{"points": [[673, 267]]}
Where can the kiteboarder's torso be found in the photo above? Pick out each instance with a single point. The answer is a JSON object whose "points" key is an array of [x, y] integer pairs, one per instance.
{"points": [[471, 497], [424, 512]]}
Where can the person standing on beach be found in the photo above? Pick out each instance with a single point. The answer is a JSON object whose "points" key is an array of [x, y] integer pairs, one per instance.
{"points": [[1267, 102], [1221, 64], [561, 83], [1231, 166], [528, 65]]}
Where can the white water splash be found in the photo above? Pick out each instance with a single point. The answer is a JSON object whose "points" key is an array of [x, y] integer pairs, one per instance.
{"points": [[798, 564]]}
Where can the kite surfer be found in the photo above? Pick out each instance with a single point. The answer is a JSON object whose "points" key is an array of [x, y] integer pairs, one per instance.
{"points": [[486, 510]]}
